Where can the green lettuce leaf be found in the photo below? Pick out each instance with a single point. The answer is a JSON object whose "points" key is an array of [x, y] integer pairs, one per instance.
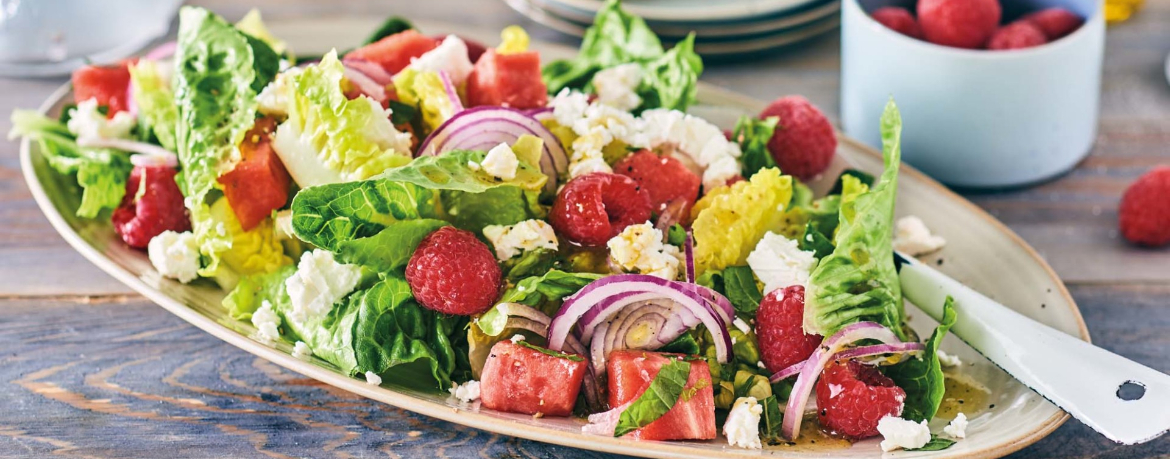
{"points": [[771, 420], [739, 286], [391, 248], [752, 135], [530, 263], [505, 205], [327, 215], [858, 280], [669, 81], [215, 94], [101, 173], [390, 26], [546, 291], [663, 392], [617, 37], [922, 378], [329, 138], [156, 103], [253, 290]]}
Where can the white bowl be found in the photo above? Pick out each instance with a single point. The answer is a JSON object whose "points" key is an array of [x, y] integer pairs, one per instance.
{"points": [[976, 118]]}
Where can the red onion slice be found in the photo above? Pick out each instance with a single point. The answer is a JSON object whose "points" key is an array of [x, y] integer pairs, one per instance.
{"points": [[689, 253], [541, 114], [600, 290], [481, 128], [366, 85], [811, 369], [665, 321], [452, 94], [373, 71], [857, 352]]}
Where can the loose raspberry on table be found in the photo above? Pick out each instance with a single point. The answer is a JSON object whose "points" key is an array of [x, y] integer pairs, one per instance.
{"points": [[959, 23], [780, 329], [1144, 215], [138, 219], [1017, 35], [804, 141], [1055, 22], [852, 397], [663, 177], [593, 208], [452, 272], [899, 20]]}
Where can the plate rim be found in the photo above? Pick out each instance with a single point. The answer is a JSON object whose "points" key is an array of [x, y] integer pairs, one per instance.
{"points": [[472, 418], [819, 9], [664, 14]]}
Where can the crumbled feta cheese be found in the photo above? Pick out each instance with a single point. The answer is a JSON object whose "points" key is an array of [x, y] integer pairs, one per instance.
{"points": [[501, 162], [778, 262], [761, 365], [516, 338], [473, 165], [741, 325], [373, 379], [639, 248], [742, 427], [900, 433], [318, 283], [569, 106], [450, 57], [274, 98], [87, 122], [175, 255], [616, 86], [958, 427], [948, 360], [302, 351], [467, 392], [695, 137], [913, 237], [267, 322], [513, 240]]}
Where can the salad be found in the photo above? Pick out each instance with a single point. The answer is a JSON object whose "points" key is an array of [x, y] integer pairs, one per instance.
{"points": [[549, 238]]}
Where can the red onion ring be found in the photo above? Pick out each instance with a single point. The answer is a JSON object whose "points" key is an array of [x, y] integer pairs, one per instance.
{"points": [[452, 94], [689, 253], [862, 351], [811, 369], [365, 85], [373, 71]]}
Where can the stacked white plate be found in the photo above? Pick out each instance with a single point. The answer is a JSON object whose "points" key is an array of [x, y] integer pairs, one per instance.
{"points": [[723, 27]]}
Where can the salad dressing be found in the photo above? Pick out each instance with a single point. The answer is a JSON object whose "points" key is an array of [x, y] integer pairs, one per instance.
{"points": [[962, 395], [813, 438]]}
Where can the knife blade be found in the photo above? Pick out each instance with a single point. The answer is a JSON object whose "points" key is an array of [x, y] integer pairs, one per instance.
{"points": [[1123, 400]]}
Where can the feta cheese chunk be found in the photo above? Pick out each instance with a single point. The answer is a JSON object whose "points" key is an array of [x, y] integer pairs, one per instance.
{"points": [[741, 325], [513, 240], [516, 338], [175, 255], [639, 248], [318, 283], [373, 379], [267, 322], [450, 57], [913, 237], [695, 137], [778, 262], [902, 434], [87, 122], [958, 427], [616, 86], [501, 162], [743, 423], [948, 360], [302, 351], [467, 392]]}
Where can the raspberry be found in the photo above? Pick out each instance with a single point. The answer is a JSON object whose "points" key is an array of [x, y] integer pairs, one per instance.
{"points": [[452, 272], [595, 207], [959, 23], [1054, 22], [804, 141], [853, 397], [1144, 215], [160, 208], [664, 178], [899, 20], [1017, 35], [780, 329]]}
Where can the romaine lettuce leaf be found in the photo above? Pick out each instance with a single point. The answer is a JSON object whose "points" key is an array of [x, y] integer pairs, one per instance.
{"points": [[329, 138], [391, 248], [156, 103], [253, 290], [328, 215], [730, 221], [425, 92], [669, 81], [390, 26], [858, 280], [253, 25], [256, 251], [101, 173], [546, 291], [752, 135], [922, 378], [217, 79]]}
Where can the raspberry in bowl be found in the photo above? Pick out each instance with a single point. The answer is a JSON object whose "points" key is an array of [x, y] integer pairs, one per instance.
{"points": [[994, 93]]}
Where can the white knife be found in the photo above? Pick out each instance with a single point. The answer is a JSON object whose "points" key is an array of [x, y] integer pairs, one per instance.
{"points": [[1124, 400]]}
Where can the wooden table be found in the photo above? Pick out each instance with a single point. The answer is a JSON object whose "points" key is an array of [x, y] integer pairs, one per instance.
{"points": [[90, 369]]}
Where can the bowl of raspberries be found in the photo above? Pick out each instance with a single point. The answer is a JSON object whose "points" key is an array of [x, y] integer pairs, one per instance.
{"points": [[999, 93]]}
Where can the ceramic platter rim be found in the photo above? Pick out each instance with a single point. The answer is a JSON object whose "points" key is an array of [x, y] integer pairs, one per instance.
{"points": [[146, 282], [710, 11], [741, 30]]}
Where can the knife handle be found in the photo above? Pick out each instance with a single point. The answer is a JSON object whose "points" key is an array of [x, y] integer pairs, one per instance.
{"points": [[1124, 400]]}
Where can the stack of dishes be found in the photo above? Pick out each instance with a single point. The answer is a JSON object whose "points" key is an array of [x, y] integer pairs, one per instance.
{"points": [[723, 28]]}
